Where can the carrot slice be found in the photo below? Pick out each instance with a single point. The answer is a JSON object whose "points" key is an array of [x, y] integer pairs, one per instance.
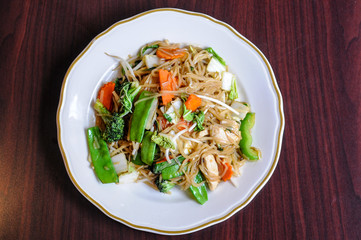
{"points": [[170, 53], [229, 171], [193, 102], [160, 161], [105, 95], [167, 83]]}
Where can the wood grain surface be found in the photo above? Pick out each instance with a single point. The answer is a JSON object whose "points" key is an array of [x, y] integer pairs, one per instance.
{"points": [[314, 48]]}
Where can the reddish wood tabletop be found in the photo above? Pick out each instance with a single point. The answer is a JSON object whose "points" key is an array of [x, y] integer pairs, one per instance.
{"points": [[314, 48]]}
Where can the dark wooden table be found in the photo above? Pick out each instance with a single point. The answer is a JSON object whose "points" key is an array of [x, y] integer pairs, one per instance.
{"points": [[314, 48]]}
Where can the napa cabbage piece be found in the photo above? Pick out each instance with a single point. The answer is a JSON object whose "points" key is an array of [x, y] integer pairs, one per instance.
{"points": [[233, 94], [215, 66], [152, 61], [174, 112]]}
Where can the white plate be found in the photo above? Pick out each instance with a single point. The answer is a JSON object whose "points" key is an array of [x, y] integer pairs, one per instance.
{"points": [[138, 205]]}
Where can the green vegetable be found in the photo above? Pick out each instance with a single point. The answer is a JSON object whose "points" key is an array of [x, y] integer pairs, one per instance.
{"points": [[148, 148], [174, 111], [142, 51], [166, 116], [245, 144], [103, 112], [143, 113], [171, 172], [114, 128], [128, 91], [211, 51], [233, 94], [137, 160], [163, 141], [119, 84], [100, 156], [164, 185], [158, 167], [188, 115], [199, 119], [114, 123], [200, 193]]}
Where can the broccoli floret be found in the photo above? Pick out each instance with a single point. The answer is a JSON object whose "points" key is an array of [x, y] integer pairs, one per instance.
{"points": [[164, 185], [114, 129], [163, 140], [114, 124]]}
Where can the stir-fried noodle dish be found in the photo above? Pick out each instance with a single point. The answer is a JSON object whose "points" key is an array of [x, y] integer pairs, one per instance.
{"points": [[171, 118]]}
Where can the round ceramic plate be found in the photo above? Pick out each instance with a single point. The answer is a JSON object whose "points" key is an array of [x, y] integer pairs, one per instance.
{"points": [[137, 205]]}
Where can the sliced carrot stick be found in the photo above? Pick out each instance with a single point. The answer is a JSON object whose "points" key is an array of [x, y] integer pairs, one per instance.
{"points": [[167, 83], [170, 53], [229, 172], [193, 102], [160, 161], [105, 95]]}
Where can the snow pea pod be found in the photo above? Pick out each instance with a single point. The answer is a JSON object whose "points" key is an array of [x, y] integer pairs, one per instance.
{"points": [[245, 144], [143, 113], [148, 148], [172, 171], [100, 156], [159, 166], [200, 193], [137, 160]]}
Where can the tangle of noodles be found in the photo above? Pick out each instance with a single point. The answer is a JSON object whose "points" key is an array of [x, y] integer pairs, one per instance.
{"points": [[193, 78]]}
